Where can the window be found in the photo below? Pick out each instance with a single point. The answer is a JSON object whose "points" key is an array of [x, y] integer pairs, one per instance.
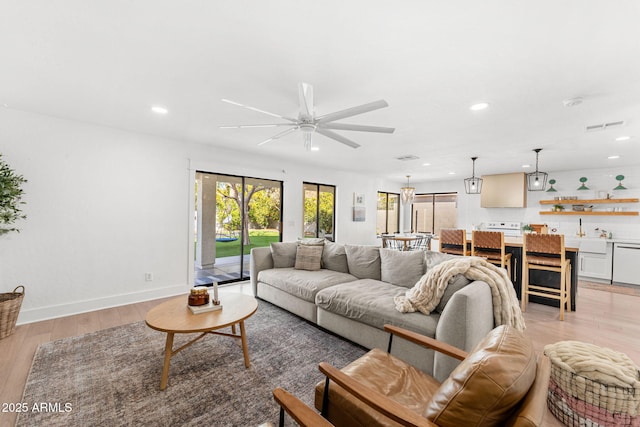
{"points": [[319, 210], [432, 212], [388, 213]]}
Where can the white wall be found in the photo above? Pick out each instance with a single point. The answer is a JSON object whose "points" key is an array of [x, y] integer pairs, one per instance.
{"points": [[470, 213], [106, 206]]}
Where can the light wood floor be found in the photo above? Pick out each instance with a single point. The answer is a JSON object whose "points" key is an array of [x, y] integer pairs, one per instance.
{"points": [[605, 318]]}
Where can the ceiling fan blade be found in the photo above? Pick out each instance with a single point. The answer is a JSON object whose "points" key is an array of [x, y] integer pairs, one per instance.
{"points": [[266, 125], [279, 135], [258, 110], [305, 98], [360, 128], [339, 138], [353, 111]]}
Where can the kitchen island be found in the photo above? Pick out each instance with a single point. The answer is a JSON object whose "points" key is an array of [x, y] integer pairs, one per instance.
{"points": [[513, 245]]}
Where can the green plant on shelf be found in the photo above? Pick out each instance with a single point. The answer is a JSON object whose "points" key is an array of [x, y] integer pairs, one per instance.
{"points": [[558, 208]]}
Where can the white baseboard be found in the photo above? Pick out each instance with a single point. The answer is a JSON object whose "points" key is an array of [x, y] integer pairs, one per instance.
{"points": [[62, 310]]}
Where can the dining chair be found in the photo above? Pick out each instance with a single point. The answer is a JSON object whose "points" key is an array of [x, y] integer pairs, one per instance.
{"points": [[490, 245], [390, 242], [453, 241], [546, 252], [422, 243]]}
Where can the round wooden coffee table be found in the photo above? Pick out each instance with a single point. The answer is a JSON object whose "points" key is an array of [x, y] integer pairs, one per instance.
{"points": [[174, 317]]}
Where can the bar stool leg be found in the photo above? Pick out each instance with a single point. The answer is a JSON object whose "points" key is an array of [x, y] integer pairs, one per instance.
{"points": [[524, 294], [568, 286], [563, 290]]}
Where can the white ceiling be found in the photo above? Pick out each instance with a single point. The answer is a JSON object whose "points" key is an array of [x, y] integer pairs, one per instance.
{"points": [[107, 62]]}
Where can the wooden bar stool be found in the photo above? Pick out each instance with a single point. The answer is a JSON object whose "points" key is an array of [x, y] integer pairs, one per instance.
{"points": [[453, 241], [546, 252], [490, 245]]}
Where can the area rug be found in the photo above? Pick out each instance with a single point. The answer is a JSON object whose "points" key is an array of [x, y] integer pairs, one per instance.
{"points": [[112, 377]]}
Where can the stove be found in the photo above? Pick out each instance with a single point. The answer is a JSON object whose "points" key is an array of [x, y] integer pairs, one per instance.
{"points": [[509, 228]]}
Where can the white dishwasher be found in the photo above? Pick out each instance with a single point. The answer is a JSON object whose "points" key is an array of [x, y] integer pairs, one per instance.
{"points": [[626, 258]]}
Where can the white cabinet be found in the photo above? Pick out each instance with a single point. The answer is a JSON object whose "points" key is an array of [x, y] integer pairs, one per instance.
{"points": [[597, 265]]}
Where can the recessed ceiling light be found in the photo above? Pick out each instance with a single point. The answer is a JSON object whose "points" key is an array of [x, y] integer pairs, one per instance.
{"points": [[526, 166], [315, 148], [479, 106], [426, 164], [613, 157], [159, 109], [452, 173], [623, 138]]}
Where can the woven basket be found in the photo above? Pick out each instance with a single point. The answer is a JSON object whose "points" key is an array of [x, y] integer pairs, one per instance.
{"points": [[579, 401], [10, 303]]}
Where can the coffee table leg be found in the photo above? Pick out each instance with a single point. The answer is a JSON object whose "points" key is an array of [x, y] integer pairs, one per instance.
{"points": [[168, 349], [245, 348]]}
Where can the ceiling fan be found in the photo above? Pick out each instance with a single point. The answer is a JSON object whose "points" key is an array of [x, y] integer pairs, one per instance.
{"points": [[308, 123]]}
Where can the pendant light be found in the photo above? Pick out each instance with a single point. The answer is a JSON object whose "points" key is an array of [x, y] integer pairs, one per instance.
{"points": [[473, 185], [408, 193], [537, 181]]}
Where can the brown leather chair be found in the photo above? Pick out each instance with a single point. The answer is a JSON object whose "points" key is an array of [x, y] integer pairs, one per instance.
{"points": [[546, 252], [490, 245], [499, 383], [453, 241]]}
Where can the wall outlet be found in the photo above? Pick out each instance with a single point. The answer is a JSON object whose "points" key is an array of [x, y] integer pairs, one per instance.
{"points": [[148, 277]]}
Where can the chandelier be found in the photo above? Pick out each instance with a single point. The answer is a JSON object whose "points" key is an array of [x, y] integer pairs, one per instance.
{"points": [[408, 193]]}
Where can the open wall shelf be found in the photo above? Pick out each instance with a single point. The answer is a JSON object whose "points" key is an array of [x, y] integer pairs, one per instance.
{"points": [[588, 202]]}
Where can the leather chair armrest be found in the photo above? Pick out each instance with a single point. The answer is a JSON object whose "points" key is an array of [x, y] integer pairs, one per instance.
{"points": [[301, 413], [428, 342], [375, 400]]}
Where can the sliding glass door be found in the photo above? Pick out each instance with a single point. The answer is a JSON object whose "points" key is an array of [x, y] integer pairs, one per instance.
{"points": [[233, 215], [319, 210], [432, 212]]}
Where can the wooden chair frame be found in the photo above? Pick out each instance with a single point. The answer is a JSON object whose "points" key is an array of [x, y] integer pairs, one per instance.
{"points": [[534, 253], [454, 236], [491, 240], [535, 398]]}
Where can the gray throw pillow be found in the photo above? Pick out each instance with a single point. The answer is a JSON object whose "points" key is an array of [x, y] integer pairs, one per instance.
{"points": [[456, 283], [284, 254], [334, 257], [308, 257], [401, 268], [363, 261], [312, 241], [433, 258]]}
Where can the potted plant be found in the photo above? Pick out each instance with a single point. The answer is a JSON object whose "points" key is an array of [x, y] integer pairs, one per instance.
{"points": [[10, 197], [558, 208], [527, 228]]}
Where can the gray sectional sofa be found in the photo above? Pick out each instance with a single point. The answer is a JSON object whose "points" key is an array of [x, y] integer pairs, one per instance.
{"points": [[350, 290]]}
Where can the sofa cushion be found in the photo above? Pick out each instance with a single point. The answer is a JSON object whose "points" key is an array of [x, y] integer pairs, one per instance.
{"points": [[371, 302], [433, 258], [284, 254], [488, 384], [456, 283], [302, 283], [363, 261], [308, 257], [334, 257], [401, 268]]}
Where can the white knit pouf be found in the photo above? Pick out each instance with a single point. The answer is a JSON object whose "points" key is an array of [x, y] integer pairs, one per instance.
{"points": [[592, 386]]}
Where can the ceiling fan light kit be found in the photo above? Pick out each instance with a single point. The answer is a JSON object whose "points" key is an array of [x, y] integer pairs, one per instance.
{"points": [[308, 123], [473, 185], [537, 181]]}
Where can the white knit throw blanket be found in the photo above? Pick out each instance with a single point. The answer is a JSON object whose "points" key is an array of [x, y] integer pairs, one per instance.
{"points": [[427, 293]]}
